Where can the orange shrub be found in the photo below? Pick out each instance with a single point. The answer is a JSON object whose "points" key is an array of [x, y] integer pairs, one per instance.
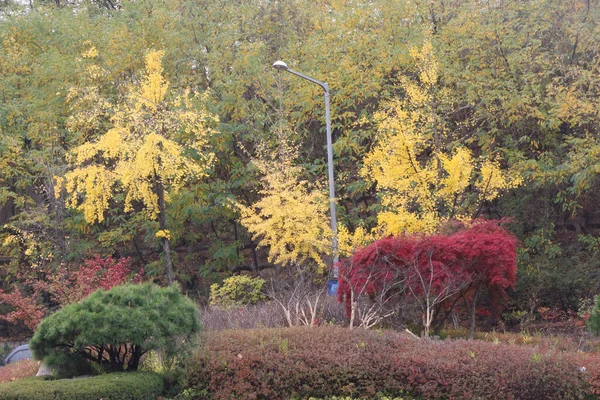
{"points": [[18, 370]]}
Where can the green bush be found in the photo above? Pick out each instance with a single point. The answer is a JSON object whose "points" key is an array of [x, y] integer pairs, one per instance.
{"points": [[115, 386], [169, 363], [594, 321], [115, 328], [237, 290]]}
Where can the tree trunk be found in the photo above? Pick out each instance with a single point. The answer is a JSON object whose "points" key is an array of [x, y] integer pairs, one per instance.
{"points": [[162, 224], [352, 308], [427, 320]]}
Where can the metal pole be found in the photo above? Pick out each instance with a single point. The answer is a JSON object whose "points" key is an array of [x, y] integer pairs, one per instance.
{"points": [[280, 65], [334, 244]]}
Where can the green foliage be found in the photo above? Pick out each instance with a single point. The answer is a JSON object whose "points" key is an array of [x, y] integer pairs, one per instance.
{"points": [[237, 290], [115, 328], [594, 321], [4, 350], [117, 386], [169, 362], [67, 365]]}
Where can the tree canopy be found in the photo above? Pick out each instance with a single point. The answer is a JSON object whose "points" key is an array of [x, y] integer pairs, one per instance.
{"points": [[164, 122]]}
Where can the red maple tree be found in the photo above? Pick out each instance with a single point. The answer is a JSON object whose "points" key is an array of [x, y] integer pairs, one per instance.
{"points": [[62, 286], [437, 270]]}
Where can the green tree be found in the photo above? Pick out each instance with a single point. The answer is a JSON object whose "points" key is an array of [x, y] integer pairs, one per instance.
{"points": [[115, 328]]}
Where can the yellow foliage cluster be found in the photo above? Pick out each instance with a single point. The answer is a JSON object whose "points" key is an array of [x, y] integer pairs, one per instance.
{"points": [[163, 233], [154, 87], [290, 218], [348, 241], [143, 149], [420, 181]]}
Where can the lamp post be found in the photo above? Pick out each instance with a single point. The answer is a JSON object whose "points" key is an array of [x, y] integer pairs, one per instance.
{"points": [[281, 66]]}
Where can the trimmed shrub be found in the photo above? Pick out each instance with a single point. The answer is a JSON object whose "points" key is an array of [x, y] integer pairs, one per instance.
{"points": [[18, 370], [116, 386], [237, 290], [330, 361], [115, 328]]}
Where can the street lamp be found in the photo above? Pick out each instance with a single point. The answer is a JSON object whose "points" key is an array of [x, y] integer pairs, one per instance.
{"points": [[281, 66]]}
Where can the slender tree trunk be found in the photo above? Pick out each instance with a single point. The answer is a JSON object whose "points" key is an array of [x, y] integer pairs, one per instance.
{"points": [[352, 308], [428, 319], [162, 223]]}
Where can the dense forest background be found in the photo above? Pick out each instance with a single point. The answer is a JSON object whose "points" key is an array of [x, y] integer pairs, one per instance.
{"points": [[511, 85]]}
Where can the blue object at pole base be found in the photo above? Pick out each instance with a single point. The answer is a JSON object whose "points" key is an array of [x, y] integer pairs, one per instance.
{"points": [[332, 287]]}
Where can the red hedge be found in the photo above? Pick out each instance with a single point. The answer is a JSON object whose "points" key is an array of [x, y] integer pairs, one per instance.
{"points": [[326, 361]]}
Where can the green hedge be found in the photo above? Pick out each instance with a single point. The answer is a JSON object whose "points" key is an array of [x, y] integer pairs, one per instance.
{"points": [[115, 386]]}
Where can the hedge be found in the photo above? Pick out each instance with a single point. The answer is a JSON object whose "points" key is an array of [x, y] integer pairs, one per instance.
{"points": [[114, 386], [327, 361]]}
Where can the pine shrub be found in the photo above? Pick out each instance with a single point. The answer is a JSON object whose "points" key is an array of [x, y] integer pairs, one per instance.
{"points": [[116, 327]]}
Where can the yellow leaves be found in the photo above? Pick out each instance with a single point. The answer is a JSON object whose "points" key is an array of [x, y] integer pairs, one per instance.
{"points": [[290, 218], [493, 181], [111, 145], [15, 55], [348, 242], [574, 107], [421, 183], [459, 169], [401, 221], [154, 87], [427, 63], [97, 183], [156, 159], [91, 52], [143, 152], [163, 233]]}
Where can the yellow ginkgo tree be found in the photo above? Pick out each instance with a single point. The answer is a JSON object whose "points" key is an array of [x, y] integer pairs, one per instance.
{"points": [[290, 218], [157, 143], [422, 176]]}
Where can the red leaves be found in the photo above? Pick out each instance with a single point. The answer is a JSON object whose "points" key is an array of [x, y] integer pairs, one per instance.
{"points": [[65, 286], [18, 370], [482, 253], [69, 286], [24, 309]]}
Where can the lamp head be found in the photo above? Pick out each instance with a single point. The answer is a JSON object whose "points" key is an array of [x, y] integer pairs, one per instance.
{"points": [[280, 65]]}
